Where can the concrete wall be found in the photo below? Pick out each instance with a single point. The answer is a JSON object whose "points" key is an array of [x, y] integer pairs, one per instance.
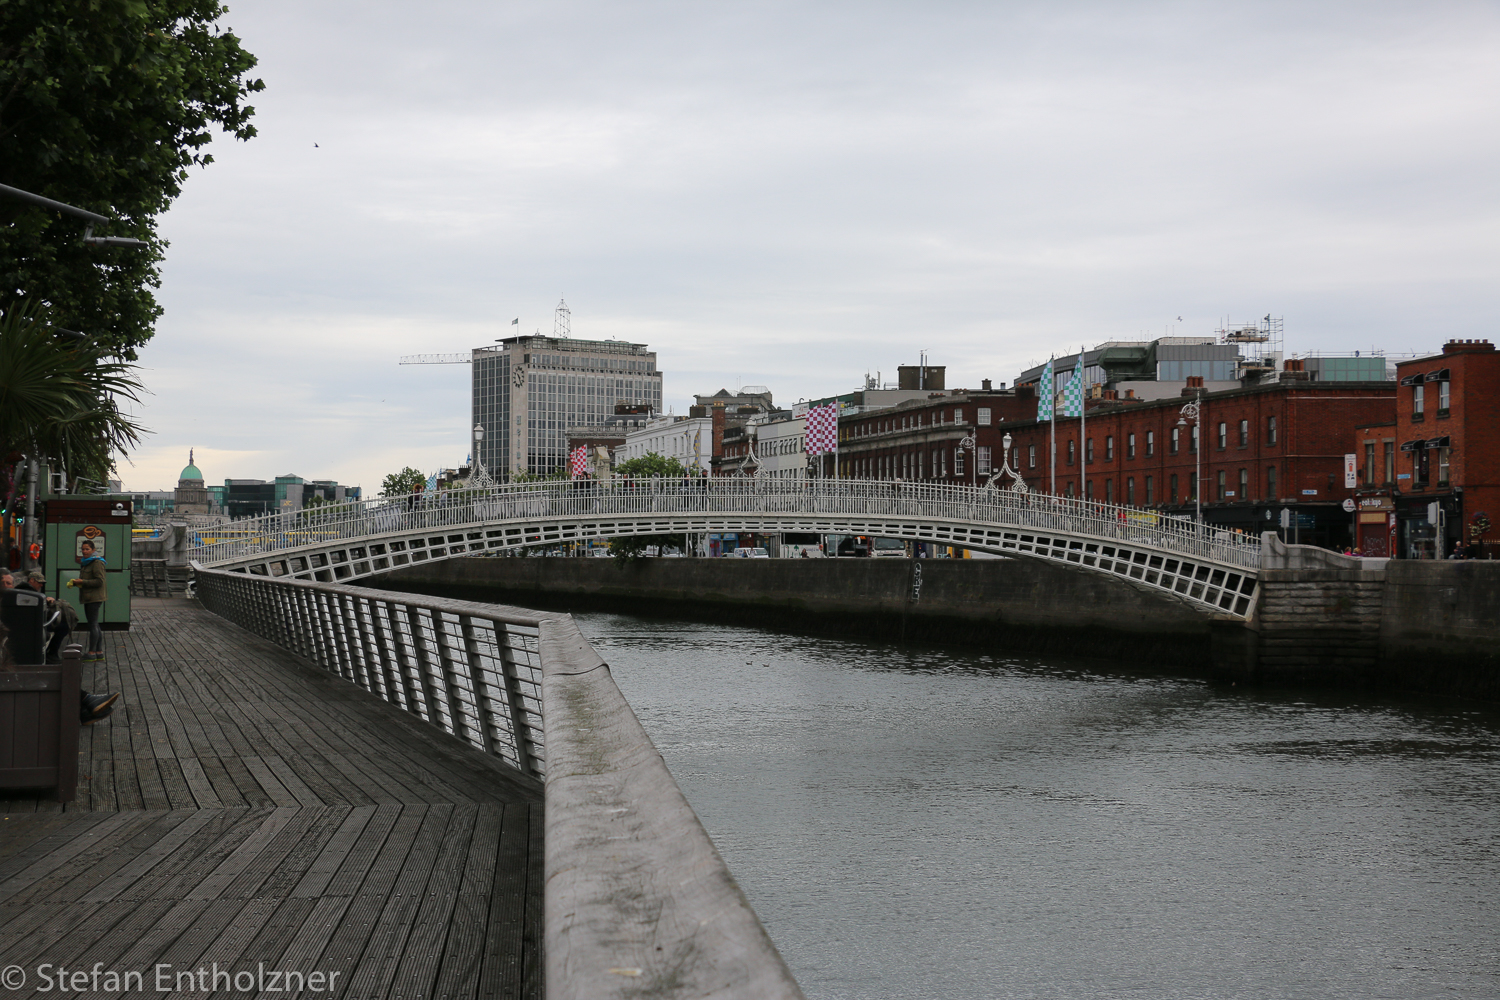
{"points": [[1017, 605]]}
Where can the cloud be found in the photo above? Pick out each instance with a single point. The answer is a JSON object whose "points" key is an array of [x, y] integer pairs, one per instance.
{"points": [[793, 194]]}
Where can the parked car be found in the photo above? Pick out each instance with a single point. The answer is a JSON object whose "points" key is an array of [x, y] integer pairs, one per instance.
{"points": [[756, 552]]}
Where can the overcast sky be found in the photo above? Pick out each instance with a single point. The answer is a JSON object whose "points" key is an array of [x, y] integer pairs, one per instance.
{"points": [[793, 194]]}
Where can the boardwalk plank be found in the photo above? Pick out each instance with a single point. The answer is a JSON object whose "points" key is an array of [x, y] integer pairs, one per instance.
{"points": [[244, 806]]}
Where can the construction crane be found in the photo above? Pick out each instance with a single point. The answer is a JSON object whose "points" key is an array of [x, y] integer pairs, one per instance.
{"points": [[562, 326]]}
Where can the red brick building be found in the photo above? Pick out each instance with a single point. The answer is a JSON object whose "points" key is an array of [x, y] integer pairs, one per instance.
{"points": [[1447, 452], [1266, 448]]}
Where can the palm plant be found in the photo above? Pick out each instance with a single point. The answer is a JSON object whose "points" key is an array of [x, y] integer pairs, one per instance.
{"points": [[58, 399]]}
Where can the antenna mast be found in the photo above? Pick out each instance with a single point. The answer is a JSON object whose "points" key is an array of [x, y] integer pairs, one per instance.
{"points": [[562, 322]]}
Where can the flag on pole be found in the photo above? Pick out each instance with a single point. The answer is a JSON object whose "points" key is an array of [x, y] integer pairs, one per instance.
{"points": [[1073, 392], [822, 433], [1046, 393], [516, 321], [579, 462]]}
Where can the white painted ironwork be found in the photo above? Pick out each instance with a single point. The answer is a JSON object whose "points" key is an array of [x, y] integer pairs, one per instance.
{"points": [[1213, 569]]}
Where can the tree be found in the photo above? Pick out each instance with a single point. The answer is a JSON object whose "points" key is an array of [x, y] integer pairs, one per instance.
{"points": [[105, 105], [58, 401], [403, 483], [634, 547]]}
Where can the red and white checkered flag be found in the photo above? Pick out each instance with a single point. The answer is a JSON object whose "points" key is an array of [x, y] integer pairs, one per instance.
{"points": [[579, 461], [822, 434]]}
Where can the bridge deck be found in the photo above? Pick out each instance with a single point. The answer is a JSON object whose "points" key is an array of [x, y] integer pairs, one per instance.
{"points": [[242, 807]]}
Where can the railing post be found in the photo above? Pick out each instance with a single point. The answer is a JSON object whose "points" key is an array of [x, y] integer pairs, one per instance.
{"points": [[483, 695], [423, 660], [526, 757], [450, 675]]}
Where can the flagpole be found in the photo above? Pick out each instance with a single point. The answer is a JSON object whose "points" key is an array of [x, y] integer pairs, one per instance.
{"points": [[1052, 419], [1083, 407]]}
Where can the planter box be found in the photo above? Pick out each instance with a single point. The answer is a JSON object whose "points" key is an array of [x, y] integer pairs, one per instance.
{"points": [[39, 727]]}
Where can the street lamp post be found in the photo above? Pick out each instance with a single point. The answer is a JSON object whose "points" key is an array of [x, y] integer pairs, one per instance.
{"points": [[1189, 413], [972, 445]]}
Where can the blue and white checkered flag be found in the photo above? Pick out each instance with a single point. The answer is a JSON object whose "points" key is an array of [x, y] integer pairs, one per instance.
{"points": [[1073, 392], [1046, 393]]}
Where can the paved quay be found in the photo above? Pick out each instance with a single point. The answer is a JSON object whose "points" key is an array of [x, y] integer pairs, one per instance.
{"points": [[245, 809]]}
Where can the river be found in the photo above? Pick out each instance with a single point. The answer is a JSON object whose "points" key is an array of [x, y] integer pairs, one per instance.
{"points": [[940, 823]]}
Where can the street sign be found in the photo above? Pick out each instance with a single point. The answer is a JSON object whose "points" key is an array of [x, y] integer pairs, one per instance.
{"points": [[1351, 472], [1349, 504]]}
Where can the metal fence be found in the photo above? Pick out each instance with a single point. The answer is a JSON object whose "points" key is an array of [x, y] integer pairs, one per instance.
{"points": [[472, 670], [740, 498]]}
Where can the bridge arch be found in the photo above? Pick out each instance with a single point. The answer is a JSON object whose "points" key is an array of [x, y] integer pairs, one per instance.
{"points": [[1214, 571]]}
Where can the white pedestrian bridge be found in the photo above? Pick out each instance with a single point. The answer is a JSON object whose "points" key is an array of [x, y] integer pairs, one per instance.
{"points": [[1213, 570]]}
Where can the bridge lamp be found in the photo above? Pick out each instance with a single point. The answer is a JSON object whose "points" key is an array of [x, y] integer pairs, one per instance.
{"points": [[1189, 412]]}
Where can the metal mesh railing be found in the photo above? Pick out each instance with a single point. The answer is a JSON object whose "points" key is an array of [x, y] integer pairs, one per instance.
{"points": [[649, 499], [472, 670]]}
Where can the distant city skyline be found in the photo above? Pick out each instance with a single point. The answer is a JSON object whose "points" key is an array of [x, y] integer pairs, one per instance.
{"points": [[791, 196]]}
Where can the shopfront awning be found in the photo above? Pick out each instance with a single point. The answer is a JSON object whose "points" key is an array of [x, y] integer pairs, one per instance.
{"points": [[1441, 442], [1441, 375], [1413, 445], [1416, 379]]}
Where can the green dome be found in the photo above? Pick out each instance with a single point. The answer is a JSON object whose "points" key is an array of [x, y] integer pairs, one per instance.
{"points": [[191, 472]]}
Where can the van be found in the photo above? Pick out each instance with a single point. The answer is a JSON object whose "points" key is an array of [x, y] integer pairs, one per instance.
{"points": [[751, 553], [887, 548]]}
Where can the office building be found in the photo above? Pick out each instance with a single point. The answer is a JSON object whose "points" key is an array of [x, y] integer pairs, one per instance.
{"points": [[529, 391]]}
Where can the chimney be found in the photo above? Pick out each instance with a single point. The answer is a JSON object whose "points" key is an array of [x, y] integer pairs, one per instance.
{"points": [[1129, 393], [1196, 381], [1467, 347], [985, 385], [697, 411], [1110, 394], [1293, 365], [1027, 391], [718, 426]]}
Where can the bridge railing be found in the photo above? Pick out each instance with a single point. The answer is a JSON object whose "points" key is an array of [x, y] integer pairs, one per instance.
{"points": [[472, 670], [655, 914], [735, 496]]}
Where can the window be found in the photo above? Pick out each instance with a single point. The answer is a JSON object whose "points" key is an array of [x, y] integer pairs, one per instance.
{"points": [[1015, 457], [1443, 454], [1443, 398], [1088, 489], [1193, 440], [1223, 435], [1072, 451], [1109, 491], [1130, 491], [984, 416], [958, 461], [1370, 463], [958, 416], [1031, 456], [1149, 498], [1150, 443], [1172, 488], [1223, 480], [982, 459], [1176, 440], [1244, 433], [1089, 451], [1270, 482], [1271, 430], [1390, 462], [1109, 447], [1419, 466], [1070, 487], [1130, 446], [1244, 484], [1418, 402]]}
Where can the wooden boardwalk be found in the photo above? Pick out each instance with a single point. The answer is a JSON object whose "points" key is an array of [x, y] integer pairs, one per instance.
{"points": [[244, 808]]}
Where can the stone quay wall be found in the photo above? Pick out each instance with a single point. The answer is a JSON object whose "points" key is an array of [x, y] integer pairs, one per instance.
{"points": [[1426, 627]]}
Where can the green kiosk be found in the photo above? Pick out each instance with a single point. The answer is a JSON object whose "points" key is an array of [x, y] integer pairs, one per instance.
{"points": [[105, 521]]}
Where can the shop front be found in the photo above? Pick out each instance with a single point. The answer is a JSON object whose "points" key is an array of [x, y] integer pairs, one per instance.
{"points": [[1428, 527], [1375, 526]]}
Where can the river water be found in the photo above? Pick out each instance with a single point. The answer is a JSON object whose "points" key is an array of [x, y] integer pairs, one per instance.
{"points": [[939, 823]]}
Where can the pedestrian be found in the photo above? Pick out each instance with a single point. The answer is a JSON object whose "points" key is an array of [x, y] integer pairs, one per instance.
{"points": [[91, 707], [61, 619], [90, 581], [7, 582]]}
